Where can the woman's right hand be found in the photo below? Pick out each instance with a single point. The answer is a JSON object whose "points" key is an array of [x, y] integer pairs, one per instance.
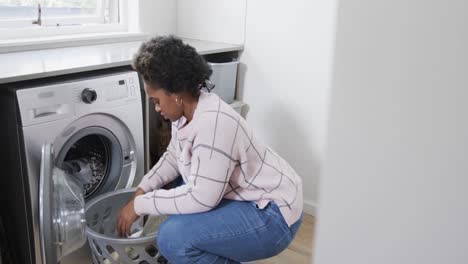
{"points": [[127, 215]]}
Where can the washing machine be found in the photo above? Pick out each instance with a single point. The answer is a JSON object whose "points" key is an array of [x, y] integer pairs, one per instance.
{"points": [[93, 126]]}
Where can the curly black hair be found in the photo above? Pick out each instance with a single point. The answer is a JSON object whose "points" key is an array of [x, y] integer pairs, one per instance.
{"points": [[167, 63]]}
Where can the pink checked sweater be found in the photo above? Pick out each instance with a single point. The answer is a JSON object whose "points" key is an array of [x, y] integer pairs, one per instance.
{"points": [[218, 156]]}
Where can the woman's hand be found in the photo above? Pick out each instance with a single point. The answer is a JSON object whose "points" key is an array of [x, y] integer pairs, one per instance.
{"points": [[127, 216]]}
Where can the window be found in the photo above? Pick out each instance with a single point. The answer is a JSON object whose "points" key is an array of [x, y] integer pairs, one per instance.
{"points": [[24, 13], [38, 18]]}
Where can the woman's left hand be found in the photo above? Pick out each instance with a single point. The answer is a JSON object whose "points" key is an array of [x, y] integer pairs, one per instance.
{"points": [[127, 216]]}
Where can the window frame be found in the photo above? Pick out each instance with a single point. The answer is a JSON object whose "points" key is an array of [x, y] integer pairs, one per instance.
{"points": [[71, 25]]}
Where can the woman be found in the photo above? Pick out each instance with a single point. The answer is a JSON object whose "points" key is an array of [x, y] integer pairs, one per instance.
{"points": [[240, 201]]}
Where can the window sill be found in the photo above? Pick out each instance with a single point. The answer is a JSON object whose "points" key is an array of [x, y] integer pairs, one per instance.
{"points": [[40, 43]]}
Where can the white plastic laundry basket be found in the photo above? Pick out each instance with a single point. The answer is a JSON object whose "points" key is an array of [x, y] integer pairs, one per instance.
{"points": [[107, 247], [224, 77]]}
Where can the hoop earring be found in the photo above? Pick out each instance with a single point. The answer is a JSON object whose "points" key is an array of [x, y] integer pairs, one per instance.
{"points": [[178, 100]]}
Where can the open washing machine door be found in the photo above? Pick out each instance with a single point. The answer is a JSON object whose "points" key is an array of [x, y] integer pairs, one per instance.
{"points": [[62, 222]]}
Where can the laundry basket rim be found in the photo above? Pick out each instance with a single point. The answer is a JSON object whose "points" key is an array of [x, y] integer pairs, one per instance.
{"points": [[121, 241]]}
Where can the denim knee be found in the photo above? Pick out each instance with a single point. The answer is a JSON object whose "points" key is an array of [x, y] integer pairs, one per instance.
{"points": [[170, 239]]}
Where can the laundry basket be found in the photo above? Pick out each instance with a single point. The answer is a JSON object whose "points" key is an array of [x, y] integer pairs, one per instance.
{"points": [[106, 246], [224, 66]]}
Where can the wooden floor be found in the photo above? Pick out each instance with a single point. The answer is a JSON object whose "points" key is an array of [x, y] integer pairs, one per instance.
{"points": [[300, 250]]}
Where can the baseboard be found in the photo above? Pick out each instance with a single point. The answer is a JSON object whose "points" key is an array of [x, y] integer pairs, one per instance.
{"points": [[310, 208]]}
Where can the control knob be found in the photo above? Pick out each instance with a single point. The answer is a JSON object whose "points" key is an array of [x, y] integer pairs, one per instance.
{"points": [[88, 95]]}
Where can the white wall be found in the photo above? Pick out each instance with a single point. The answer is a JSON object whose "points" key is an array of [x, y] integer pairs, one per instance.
{"points": [[153, 17], [394, 188], [214, 20], [285, 79]]}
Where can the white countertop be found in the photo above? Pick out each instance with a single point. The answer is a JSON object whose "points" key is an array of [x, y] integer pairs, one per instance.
{"points": [[27, 65]]}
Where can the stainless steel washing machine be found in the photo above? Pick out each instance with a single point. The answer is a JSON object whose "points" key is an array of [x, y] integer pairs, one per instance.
{"points": [[95, 126]]}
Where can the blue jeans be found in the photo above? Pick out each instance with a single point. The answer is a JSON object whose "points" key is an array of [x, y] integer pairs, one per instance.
{"points": [[232, 232]]}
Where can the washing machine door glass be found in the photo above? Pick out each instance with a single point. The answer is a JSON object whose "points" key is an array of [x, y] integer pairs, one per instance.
{"points": [[62, 223]]}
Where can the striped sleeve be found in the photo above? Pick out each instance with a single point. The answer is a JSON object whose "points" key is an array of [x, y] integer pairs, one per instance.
{"points": [[163, 172], [209, 176]]}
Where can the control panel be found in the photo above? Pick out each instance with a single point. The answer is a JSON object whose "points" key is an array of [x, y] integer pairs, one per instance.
{"points": [[53, 102]]}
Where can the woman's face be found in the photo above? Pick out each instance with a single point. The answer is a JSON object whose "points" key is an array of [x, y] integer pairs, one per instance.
{"points": [[165, 102]]}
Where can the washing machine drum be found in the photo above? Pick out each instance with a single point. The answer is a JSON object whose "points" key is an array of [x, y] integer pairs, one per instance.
{"points": [[99, 158], [89, 161]]}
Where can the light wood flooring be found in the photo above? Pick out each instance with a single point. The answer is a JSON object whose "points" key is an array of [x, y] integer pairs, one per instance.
{"points": [[300, 250]]}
